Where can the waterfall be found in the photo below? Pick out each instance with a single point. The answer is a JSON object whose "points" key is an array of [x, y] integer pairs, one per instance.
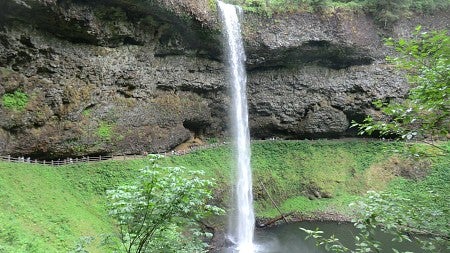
{"points": [[242, 225]]}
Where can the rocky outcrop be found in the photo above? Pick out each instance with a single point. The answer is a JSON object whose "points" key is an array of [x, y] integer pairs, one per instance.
{"points": [[315, 101], [92, 99], [130, 76], [336, 40]]}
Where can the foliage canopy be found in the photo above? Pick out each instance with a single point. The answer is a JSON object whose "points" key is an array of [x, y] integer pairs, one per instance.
{"points": [[385, 11]]}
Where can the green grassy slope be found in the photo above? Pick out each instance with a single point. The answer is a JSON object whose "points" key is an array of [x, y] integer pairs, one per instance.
{"points": [[290, 170], [49, 209]]}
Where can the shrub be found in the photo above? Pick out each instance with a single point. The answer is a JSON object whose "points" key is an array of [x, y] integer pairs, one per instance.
{"points": [[153, 213]]}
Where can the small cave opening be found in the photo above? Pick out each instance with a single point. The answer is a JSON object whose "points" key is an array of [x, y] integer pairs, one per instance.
{"points": [[197, 127], [318, 43], [131, 41]]}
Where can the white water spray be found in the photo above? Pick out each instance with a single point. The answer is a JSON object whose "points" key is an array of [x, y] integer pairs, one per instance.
{"points": [[243, 225]]}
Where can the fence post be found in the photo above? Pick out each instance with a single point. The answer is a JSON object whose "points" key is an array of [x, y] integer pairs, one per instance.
{"points": [[52, 162], [9, 158], [44, 162], [99, 157], [88, 159]]}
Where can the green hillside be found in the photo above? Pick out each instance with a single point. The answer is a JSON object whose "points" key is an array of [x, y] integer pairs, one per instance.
{"points": [[52, 209]]}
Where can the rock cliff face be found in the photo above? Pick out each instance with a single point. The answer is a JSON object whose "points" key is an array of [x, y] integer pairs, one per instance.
{"points": [[130, 76]]}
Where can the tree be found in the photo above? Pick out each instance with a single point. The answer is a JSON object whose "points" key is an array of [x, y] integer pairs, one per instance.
{"points": [[387, 12], [153, 212], [425, 112]]}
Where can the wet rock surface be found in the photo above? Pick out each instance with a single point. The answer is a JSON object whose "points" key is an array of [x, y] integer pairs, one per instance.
{"points": [[130, 76]]}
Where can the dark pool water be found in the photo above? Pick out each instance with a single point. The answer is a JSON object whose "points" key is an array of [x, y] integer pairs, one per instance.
{"points": [[290, 239]]}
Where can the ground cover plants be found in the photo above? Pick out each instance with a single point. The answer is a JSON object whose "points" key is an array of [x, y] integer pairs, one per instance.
{"points": [[54, 209], [63, 209]]}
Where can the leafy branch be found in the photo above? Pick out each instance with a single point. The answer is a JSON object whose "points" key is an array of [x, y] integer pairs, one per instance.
{"points": [[151, 213], [402, 218], [425, 113]]}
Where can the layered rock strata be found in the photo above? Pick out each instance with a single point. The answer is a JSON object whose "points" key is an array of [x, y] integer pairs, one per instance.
{"points": [[132, 76]]}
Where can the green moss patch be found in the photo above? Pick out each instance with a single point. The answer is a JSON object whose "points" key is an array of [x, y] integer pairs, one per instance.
{"points": [[15, 101]]}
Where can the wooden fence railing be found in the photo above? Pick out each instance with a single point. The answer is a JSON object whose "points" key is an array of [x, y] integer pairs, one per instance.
{"points": [[66, 161], [85, 159], [55, 162]]}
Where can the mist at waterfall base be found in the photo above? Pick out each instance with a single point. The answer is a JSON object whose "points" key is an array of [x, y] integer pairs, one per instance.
{"points": [[242, 220]]}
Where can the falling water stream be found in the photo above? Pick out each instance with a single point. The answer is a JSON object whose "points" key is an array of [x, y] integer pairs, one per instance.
{"points": [[243, 223]]}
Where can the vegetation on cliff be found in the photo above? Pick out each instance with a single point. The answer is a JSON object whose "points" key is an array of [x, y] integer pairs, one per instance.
{"points": [[390, 8], [385, 11], [15, 101]]}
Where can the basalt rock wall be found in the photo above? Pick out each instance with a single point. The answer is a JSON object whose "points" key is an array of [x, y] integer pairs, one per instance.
{"points": [[131, 76]]}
